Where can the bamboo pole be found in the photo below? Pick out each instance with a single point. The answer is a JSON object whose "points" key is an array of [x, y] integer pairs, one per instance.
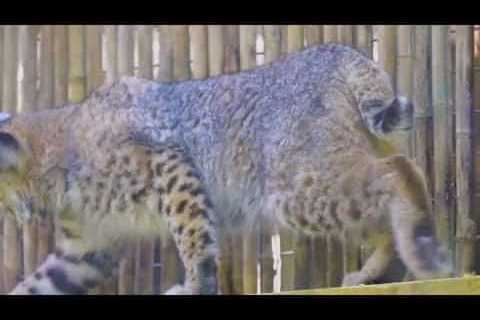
{"points": [[387, 48], [476, 123], [330, 33], [247, 61], [145, 51], [345, 34], [181, 53], [11, 253], [313, 35], [143, 283], [441, 109], [295, 38], [125, 55], [319, 263], [231, 60], [364, 39], [76, 64], [464, 147], [44, 237], [248, 53], [125, 50], [421, 99], [199, 51], [61, 64], [11, 244], [2, 239], [45, 94], [126, 271], [94, 57], [10, 64], [165, 70], [111, 47], [272, 51], [2, 48], [28, 54], [28, 60], [272, 40], [290, 242], [405, 58], [215, 49], [145, 247]]}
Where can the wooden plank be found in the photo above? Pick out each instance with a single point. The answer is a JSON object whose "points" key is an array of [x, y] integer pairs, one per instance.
{"points": [[454, 286]]}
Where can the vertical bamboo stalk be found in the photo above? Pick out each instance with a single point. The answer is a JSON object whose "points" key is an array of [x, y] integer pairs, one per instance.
{"points": [[28, 54], [464, 164], [145, 247], [44, 233], [272, 51], [11, 245], [319, 263], [2, 238], [345, 34], [111, 47], [330, 33], [364, 39], [11, 253], [295, 38], [181, 53], [125, 50], [10, 64], [247, 61], [76, 64], [144, 267], [421, 97], [61, 64], [94, 57], [231, 49], [215, 49], [126, 272], [476, 123], [45, 94], [441, 109], [2, 48], [125, 55], [232, 64], [248, 53], [313, 35], [387, 49], [145, 51], [405, 58], [290, 242], [199, 51], [272, 40], [165, 70]]}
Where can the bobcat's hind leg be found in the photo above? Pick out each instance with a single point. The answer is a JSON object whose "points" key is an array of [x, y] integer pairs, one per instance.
{"points": [[189, 212]]}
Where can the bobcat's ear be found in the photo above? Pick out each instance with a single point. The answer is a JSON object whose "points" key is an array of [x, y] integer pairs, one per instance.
{"points": [[12, 154]]}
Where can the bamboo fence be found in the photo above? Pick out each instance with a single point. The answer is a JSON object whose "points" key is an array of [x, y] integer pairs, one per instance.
{"points": [[438, 67]]}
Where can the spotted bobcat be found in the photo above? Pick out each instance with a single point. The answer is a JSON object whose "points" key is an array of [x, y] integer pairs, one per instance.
{"points": [[301, 142]]}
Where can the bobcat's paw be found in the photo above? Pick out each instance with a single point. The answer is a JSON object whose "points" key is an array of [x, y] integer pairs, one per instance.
{"points": [[179, 290], [354, 279]]}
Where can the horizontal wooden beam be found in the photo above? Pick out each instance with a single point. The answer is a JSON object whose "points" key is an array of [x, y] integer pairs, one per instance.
{"points": [[468, 285]]}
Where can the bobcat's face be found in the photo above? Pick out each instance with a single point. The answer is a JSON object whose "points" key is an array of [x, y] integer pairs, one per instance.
{"points": [[16, 196]]}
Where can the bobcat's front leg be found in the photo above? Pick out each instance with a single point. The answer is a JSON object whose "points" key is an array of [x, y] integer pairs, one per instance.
{"points": [[64, 273], [71, 269]]}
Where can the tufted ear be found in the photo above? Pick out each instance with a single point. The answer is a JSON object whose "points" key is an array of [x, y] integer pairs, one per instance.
{"points": [[12, 155]]}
